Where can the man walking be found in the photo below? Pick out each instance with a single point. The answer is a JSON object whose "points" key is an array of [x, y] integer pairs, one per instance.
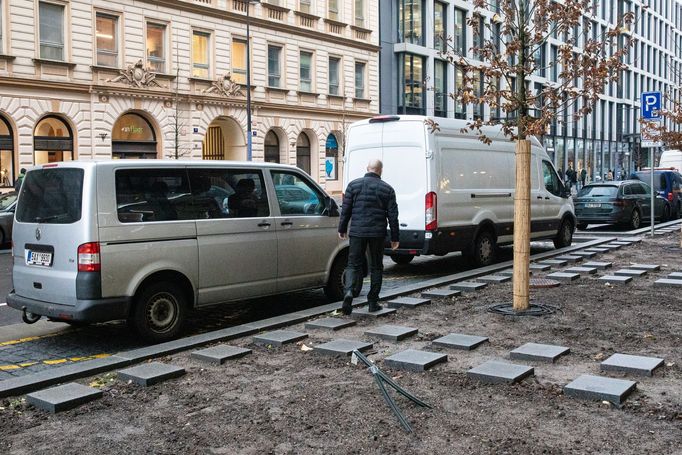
{"points": [[369, 202]]}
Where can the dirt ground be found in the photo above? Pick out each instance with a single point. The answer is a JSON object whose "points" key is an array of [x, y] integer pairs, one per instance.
{"points": [[291, 400]]}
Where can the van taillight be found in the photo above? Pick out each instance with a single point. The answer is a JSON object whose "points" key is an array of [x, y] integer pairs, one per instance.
{"points": [[670, 197], [431, 212], [88, 257]]}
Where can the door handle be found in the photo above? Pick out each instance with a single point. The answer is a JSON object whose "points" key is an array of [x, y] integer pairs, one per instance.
{"points": [[547, 198], [263, 224], [287, 223], [539, 197]]}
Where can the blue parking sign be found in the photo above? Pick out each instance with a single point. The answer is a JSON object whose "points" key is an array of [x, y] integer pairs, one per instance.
{"points": [[651, 105]]}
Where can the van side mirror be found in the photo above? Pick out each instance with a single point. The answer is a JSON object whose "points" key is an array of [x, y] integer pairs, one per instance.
{"points": [[331, 207]]}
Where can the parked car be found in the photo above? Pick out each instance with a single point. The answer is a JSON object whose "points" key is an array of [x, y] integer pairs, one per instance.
{"points": [[147, 241], [668, 183], [625, 202], [8, 202], [454, 192]]}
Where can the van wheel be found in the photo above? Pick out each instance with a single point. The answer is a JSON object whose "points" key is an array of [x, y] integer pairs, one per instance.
{"points": [[565, 235], [635, 219], [484, 248], [402, 259], [159, 312], [335, 288]]}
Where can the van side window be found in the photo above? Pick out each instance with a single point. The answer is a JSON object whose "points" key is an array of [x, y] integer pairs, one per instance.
{"points": [[295, 196], [551, 180], [153, 195], [229, 193]]}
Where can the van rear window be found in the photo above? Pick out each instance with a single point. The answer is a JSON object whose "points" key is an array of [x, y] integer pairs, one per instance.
{"points": [[51, 196]]}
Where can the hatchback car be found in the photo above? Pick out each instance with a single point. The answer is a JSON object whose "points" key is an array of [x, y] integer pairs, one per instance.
{"points": [[626, 202], [8, 202]]}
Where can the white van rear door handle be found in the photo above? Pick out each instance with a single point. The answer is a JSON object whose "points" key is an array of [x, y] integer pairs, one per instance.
{"points": [[287, 223], [264, 224]]}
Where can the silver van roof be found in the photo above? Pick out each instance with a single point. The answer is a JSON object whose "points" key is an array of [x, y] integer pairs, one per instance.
{"points": [[87, 163]]}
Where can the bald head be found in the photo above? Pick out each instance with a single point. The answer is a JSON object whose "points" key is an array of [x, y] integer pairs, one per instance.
{"points": [[375, 166]]}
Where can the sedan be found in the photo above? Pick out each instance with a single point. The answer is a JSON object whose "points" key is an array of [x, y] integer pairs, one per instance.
{"points": [[8, 202], [627, 202]]}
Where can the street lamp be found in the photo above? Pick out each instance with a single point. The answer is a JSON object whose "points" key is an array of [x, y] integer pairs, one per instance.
{"points": [[249, 133]]}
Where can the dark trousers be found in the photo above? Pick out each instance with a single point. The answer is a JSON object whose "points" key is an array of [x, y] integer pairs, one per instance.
{"points": [[356, 256]]}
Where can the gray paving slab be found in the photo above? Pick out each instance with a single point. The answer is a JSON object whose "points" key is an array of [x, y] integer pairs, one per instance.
{"points": [[675, 276], [220, 354], [460, 341], [599, 265], [647, 267], [495, 372], [539, 267], [393, 333], [468, 286], [414, 360], [632, 364], [588, 387], [613, 246], [150, 373], [616, 279], [510, 272], [584, 254], [553, 262], [440, 293], [597, 250], [365, 313], [630, 239], [621, 243], [539, 352], [407, 302], [332, 324], [279, 338], [582, 270], [494, 279], [63, 397], [572, 258], [564, 276], [342, 347], [668, 283], [630, 272]]}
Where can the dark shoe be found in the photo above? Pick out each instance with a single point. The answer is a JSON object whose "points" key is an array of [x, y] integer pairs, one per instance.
{"points": [[374, 307], [347, 307]]}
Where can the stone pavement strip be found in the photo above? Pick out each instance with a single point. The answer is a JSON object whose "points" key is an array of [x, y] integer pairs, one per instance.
{"points": [[632, 364], [460, 341], [539, 267], [408, 302], [599, 265], [220, 354], [414, 360], [331, 324], [630, 272], [554, 263], [563, 276], [495, 372], [667, 282], [279, 338], [393, 333], [63, 397], [494, 279], [588, 387], [538, 352], [149, 374], [569, 258], [440, 293], [468, 286], [365, 313], [341, 347], [647, 267], [615, 279], [582, 270]]}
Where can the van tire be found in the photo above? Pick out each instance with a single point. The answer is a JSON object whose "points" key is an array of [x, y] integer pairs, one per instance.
{"points": [[402, 259], [159, 311], [483, 250], [335, 288], [564, 237], [582, 226], [635, 219]]}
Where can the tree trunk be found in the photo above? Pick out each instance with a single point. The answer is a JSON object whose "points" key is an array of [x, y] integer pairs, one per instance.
{"points": [[522, 226]]}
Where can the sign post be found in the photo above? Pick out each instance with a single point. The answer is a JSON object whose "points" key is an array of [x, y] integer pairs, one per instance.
{"points": [[651, 103]]}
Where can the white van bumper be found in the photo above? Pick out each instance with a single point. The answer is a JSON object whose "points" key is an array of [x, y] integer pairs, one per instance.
{"points": [[99, 310]]}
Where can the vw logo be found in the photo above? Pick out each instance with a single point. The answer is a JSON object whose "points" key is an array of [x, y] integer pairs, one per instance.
{"points": [[37, 233]]}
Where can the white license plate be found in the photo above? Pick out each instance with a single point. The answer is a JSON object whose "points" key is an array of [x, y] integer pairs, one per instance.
{"points": [[38, 258], [592, 206]]}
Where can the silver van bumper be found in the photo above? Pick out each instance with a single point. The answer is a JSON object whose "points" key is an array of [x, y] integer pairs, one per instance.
{"points": [[100, 310]]}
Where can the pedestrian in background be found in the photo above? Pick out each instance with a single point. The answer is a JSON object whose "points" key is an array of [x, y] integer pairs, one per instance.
{"points": [[20, 179], [368, 203], [583, 177]]}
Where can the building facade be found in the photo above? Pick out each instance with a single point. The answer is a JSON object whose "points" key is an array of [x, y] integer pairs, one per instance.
{"points": [[416, 80], [86, 79]]}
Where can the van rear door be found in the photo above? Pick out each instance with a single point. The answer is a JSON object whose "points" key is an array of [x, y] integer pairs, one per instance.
{"points": [[52, 220]]}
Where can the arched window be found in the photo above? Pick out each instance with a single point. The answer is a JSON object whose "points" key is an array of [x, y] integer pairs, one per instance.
{"points": [[6, 154], [133, 137], [271, 147], [303, 152], [52, 140], [331, 158]]}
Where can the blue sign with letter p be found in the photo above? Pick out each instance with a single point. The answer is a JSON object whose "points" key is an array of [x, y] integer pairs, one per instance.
{"points": [[651, 105]]}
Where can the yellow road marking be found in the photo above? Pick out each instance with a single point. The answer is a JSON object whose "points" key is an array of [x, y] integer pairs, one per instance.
{"points": [[54, 362], [9, 367], [26, 339], [13, 367]]}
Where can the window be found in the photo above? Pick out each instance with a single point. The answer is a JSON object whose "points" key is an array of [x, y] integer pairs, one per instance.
{"points": [[296, 196], [52, 196], [239, 61], [153, 195], [228, 193], [305, 71], [334, 64], [439, 32], [551, 179], [460, 32], [274, 70], [107, 40], [359, 13], [304, 6], [333, 9], [201, 45], [440, 89], [411, 21], [412, 88], [156, 47], [460, 111], [477, 83], [359, 80], [51, 18]]}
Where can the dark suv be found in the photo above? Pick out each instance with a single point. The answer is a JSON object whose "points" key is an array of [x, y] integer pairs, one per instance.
{"points": [[668, 184]]}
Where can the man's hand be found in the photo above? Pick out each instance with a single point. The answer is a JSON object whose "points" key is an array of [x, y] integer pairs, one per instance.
{"points": [[343, 236], [395, 245]]}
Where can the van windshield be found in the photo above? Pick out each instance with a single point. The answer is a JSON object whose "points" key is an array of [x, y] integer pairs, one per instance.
{"points": [[51, 196]]}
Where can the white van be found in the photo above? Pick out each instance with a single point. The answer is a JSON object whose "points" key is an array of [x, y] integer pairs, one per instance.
{"points": [[454, 192], [671, 159], [149, 240]]}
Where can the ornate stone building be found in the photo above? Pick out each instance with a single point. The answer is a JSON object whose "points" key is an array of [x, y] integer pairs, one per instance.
{"points": [[163, 79]]}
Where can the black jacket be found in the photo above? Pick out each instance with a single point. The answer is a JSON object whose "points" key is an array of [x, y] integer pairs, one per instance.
{"points": [[369, 201]]}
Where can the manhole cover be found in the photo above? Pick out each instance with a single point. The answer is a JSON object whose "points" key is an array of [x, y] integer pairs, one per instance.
{"points": [[535, 309], [543, 283]]}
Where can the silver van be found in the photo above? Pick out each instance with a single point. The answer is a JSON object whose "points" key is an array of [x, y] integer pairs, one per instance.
{"points": [[147, 241]]}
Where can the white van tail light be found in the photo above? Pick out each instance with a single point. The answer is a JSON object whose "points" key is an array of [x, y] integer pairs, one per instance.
{"points": [[431, 213], [88, 257]]}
